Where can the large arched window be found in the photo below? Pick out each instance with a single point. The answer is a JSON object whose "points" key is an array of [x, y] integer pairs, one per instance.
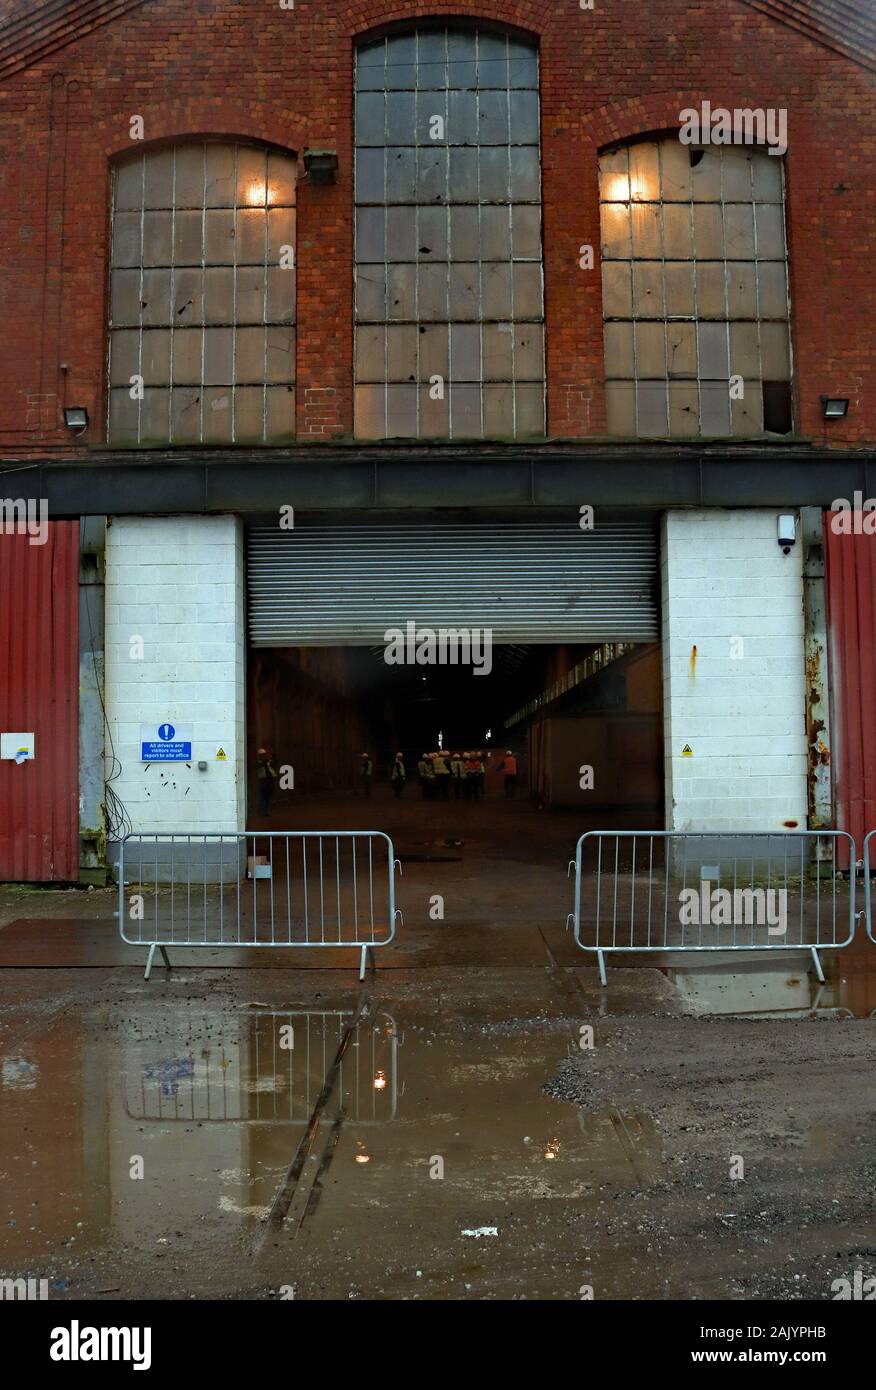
{"points": [[449, 303], [695, 291], [202, 297]]}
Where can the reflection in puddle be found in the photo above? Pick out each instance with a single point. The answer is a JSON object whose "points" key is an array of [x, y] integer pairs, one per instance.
{"points": [[171, 1118], [783, 987], [260, 1068]]}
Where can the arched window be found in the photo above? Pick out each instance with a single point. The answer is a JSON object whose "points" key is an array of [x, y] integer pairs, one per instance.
{"points": [[695, 291], [449, 302], [202, 297]]}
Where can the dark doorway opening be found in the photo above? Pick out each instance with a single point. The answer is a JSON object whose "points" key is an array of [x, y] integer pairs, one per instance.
{"points": [[583, 725]]}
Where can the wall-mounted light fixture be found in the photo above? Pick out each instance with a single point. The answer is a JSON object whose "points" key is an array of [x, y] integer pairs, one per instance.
{"points": [[321, 166], [834, 407], [76, 418]]}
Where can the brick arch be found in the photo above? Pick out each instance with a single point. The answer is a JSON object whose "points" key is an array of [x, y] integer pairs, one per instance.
{"points": [[644, 117], [471, 17], [527, 17], [174, 123], [227, 137]]}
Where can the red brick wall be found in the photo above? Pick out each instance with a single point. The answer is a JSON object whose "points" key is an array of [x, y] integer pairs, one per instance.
{"points": [[255, 70]]}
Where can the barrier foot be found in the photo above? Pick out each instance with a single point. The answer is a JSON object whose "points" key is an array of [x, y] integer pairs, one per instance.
{"points": [[603, 978], [151, 956], [817, 963], [362, 963]]}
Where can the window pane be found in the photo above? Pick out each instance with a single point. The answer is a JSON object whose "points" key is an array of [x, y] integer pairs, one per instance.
{"points": [[772, 289], [650, 341], [683, 410], [714, 360], [741, 289], [705, 173], [617, 300], [651, 409], [127, 239], [124, 357], [681, 349], [648, 289], [775, 351], [401, 353], [679, 287], [677, 232], [620, 404], [221, 175], [646, 230], [619, 356], [739, 230], [737, 175], [770, 230], [714, 408]]}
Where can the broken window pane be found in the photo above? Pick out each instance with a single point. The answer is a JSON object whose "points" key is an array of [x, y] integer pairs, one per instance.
{"points": [[715, 285], [205, 207]]}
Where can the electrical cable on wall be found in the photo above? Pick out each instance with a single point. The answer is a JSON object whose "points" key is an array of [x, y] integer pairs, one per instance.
{"points": [[118, 822]]}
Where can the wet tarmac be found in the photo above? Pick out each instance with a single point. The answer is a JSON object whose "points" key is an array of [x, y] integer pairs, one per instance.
{"points": [[479, 1120]]}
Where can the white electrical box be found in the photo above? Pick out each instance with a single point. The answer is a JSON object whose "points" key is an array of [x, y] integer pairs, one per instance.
{"points": [[17, 748]]}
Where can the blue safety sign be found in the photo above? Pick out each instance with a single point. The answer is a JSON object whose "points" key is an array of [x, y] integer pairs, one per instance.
{"points": [[165, 743]]}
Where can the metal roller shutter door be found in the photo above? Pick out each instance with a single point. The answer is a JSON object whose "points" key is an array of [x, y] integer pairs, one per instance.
{"points": [[527, 581]]}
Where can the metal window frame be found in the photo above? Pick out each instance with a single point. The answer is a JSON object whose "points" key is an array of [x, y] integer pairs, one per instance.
{"points": [[481, 321], [694, 261], [203, 265]]}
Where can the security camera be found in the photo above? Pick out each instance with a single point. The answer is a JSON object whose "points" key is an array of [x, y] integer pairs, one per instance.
{"points": [[787, 533]]}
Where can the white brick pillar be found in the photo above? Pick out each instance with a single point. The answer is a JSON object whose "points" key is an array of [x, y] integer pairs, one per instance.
{"points": [[733, 673], [177, 584]]}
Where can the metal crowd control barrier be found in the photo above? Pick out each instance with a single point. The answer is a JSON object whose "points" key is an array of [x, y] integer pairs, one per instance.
{"points": [[307, 888], [662, 890], [867, 869]]}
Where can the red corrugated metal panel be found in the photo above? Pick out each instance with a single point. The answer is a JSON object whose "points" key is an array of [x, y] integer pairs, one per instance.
{"points": [[39, 694], [850, 583]]}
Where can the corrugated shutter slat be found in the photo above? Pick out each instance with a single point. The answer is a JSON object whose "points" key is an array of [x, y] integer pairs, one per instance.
{"points": [[528, 582]]}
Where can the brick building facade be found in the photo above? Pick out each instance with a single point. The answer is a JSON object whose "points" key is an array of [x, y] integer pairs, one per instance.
{"points": [[107, 109], [260, 72]]}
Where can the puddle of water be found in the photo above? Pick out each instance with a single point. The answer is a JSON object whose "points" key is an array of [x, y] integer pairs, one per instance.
{"points": [[784, 987], [152, 1131]]}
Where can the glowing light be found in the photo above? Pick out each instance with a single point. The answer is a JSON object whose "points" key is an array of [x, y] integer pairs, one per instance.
{"points": [[552, 1149], [621, 188], [380, 1082], [363, 1158], [256, 194]]}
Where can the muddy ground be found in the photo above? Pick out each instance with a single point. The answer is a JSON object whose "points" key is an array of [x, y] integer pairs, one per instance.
{"points": [[464, 1103], [256, 1124]]}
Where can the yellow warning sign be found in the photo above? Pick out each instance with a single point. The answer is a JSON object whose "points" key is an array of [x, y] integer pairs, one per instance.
{"points": [[687, 751], [221, 755]]}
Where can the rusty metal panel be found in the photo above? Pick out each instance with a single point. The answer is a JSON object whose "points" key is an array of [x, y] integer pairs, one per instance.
{"points": [[39, 694], [851, 606]]}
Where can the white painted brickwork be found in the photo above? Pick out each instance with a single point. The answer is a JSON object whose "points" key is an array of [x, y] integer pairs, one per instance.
{"points": [[724, 577], [177, 582]]}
